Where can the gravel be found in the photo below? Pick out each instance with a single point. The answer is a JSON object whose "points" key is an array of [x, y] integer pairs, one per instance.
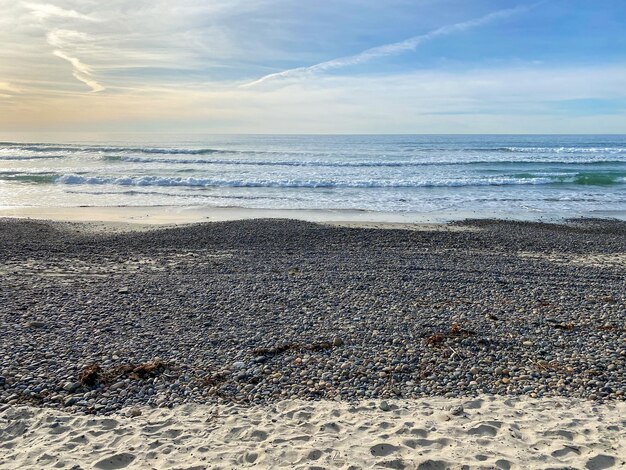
{"points": [[262, 310]]}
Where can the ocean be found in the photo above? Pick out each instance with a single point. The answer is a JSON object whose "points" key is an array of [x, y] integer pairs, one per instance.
{"points": [[509, 176]]}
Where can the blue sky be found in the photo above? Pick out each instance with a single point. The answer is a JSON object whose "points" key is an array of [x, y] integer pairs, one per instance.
{"points": [[342, 66]]}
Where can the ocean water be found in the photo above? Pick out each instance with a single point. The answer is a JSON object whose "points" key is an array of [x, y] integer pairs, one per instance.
{"points": [[503, 176]]}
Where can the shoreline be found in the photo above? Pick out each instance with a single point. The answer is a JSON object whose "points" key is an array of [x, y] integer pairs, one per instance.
{"points": [[184, 215]]}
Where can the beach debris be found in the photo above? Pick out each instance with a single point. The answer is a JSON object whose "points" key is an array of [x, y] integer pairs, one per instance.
{"points": [[455, 332], [614, 328], [214, 379], [34, 324], [93, 374], [559, 325], [435, 340], [292, 347], [90, 375]]}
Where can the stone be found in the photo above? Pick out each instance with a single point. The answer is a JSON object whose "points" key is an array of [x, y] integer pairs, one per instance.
{"points": [[71, 386], [457, 411], [69, 401]]}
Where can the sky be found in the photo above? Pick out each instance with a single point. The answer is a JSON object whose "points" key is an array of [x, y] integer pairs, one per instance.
{"points": [[325, 66]]}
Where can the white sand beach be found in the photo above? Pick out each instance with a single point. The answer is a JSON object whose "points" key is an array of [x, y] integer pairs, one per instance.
{"points": [[430, 433]]}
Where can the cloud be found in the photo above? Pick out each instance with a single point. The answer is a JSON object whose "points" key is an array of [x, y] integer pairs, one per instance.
{"points": [[525, 99], [62, 39], [81, 72], [43, 11], [5, 86], [7, 90], [388, 49]]}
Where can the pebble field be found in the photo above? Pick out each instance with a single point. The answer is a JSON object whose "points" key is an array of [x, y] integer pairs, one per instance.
{"points": [[258, 311]]}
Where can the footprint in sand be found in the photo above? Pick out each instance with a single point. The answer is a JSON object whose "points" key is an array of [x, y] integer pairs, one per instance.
{"points": [[565, 451], [250, 457], [419, 432], [415, 443], [383, 450], [600, 462], [503, 464], [396, 464], [106, 423], [432, 465], [483, 430], [332, 427], [473, 405], [560, 433], [257, 435], [115, 462]]}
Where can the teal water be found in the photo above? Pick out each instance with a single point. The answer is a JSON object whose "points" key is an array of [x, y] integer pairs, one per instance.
{"points": [[565, 176]]}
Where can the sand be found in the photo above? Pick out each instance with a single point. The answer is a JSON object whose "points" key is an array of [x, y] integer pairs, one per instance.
{"points": [[182, 215], [430, 433]]}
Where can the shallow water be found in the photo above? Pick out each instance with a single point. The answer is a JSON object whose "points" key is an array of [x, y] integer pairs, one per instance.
{"points": [[507, 176]]}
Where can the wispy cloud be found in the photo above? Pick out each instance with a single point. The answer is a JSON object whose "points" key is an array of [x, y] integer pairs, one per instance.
{"points": [[81, 72], [43, 11], [61, 39], [388, 49]]}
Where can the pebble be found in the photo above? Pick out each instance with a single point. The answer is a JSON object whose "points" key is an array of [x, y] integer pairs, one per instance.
{"points": [[457, 411]]}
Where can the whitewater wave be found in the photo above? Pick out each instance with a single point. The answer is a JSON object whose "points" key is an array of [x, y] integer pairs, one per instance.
{"points": [[352, 164], [609, 150], [29, 157], [100, 149], [110, 149], [524, 179]]}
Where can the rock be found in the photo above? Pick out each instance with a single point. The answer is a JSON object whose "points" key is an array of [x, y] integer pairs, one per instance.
{"points": [[384, 406], [457, 411], [238, 365], [69, 401], [71, 386], [34, 324], [134, 412], [337, 341]]}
